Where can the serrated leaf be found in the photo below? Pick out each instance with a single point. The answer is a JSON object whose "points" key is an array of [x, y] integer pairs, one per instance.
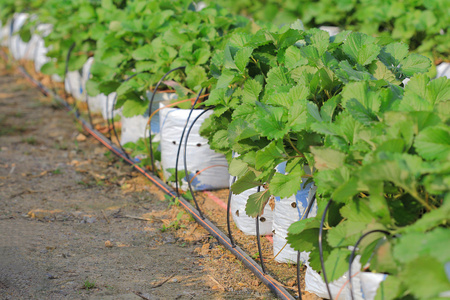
{"points": [[392, 54], [133, 108], [433, 143], [237, 167], [319, 39], [337, 263], [271, 121], [244, 183], [297, 115], [312, 55], [270, 155], [226, 78], [381, 72], [425, 277], [252, 89], [196, 75], [256, 203], [327, 159], [415, 63], [361, 48], [284, 186], [241, 58], [143, 53], [293, 58], [278, 76]]}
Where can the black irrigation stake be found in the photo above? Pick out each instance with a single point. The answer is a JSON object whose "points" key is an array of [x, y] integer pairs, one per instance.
{"points": [[321, 249], [112, 115], [258, 240], [308, 209], [352, 256], [230, 193], [185, 159], [179, 147], [152, 159], [66, 70]]}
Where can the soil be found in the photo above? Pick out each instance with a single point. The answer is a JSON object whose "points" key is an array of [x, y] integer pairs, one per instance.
{"points": [[78, 223]]}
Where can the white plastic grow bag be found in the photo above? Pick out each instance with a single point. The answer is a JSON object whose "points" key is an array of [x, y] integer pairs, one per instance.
{"points": [[213, 167], [288, 211], [245, 223], [364, 284], [443, 70], [40, 51], [17, 47], [5, 29], [332, 30], [134, 128], [73, 85]]}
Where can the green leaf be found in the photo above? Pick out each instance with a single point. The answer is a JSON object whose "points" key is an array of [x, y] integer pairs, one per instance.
{"points": [[337, 263], [297, 115], [271, 121], [201, 56], [256, 202], [196, 75], [284, 186], [361, 48], [237, 167], [433, 143], [415, 63], [252, 89], [293, 58], [278, 76], [381, 72], [220, 140], [327, 159], [134, 107], [392, 54], [244, 183], [389, 289], [143, 53], [241, 58], [226, 78], [270, 155], [425, 277], [319, 39]]}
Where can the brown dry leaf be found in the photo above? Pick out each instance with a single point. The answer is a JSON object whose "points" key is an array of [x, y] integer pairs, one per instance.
{"points": [[108, 244], [291, 282], [122, 245], [81, 137], [42, 213], [272, 202]]}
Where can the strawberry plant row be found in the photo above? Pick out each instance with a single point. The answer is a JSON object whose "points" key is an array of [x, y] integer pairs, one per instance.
{"points": [[300, 108]]}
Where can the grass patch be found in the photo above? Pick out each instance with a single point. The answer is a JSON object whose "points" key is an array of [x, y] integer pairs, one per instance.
{"points": [[30, 140]]}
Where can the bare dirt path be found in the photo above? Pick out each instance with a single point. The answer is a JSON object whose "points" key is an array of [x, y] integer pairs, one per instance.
{"points": [[67, 226]]}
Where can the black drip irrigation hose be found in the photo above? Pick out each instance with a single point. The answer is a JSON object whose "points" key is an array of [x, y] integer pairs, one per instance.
{"points": [[321, 249], [272, 284], [185, 158], [352, 256], [299, 263], [230, 194], [258, 240], [152, 158], [112, 116], [66, 70], [181, 142]]}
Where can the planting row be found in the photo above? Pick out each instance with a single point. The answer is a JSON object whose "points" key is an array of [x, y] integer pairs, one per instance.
{"points": [[342, 136]]}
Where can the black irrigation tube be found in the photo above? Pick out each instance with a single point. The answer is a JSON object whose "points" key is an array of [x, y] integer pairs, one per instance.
{"points": [[152, 158], [308, 209], [273, 285], [321, 249], [230, 194], [185, 157], [258, 240], [352, 256], [179, 149]]}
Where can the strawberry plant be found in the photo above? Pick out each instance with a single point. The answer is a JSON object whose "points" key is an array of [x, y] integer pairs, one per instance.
{"points": [[386, 165], [272, 89], [423, 25]]}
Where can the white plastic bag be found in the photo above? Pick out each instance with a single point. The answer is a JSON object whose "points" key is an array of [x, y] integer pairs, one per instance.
{"points": [[73, 85], [134, 128], [209, 168], [288, 211], [17, 47], [5, 29], [40, 51], [332, 30], [364, 284], [245, 223], [443, 69]]}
